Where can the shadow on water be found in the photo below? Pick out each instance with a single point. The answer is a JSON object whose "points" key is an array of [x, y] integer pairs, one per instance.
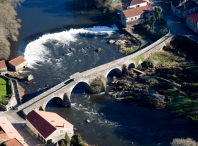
{"points": [[152, 126]]}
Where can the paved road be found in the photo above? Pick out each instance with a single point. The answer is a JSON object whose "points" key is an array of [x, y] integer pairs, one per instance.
{"points": [[176, 26]]}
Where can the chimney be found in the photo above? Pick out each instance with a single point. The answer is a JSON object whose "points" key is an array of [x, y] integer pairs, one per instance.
{"points": [[64, 124]]}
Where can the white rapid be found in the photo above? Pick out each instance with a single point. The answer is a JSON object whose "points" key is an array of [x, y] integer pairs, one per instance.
{"points": [[38, 51]]}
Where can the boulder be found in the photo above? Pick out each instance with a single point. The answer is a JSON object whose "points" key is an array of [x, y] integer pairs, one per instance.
{"points": [[117, 43], [111, 41], [71, 49], [154, 63], [88, 121], [30, 77]]}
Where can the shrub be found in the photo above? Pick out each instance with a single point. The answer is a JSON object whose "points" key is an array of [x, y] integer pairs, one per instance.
{"points": [[76, 139], [67, 139], [146, 64], [63, 143], [183, 142]]}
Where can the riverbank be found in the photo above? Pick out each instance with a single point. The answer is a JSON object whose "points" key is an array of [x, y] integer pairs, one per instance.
{"points": [[170, 79]]}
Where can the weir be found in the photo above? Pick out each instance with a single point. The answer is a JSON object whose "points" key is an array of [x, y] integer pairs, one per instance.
{"points": [[64, 89]]}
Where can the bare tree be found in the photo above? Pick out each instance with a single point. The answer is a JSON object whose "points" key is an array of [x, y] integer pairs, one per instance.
{"points": [[9, 25]]}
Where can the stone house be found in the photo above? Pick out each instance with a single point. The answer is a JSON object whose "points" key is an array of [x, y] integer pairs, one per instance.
{"points": [[133, 4], [192, 22], [10, 134], [18, 63], [129, 17], [48, 126], [185, 9], [3, 66]]}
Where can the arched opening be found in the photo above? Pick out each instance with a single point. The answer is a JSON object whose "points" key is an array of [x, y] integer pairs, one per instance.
{"points": [[130, 66], [54, 102], [81, 87], [23, 66], [112, 76], [7, 75], [115, 72]]}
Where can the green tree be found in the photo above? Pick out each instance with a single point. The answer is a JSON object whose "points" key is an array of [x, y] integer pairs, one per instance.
{"points": [[67, 139], [158, 11], [152, 20], [76, 139], [63, 143]]}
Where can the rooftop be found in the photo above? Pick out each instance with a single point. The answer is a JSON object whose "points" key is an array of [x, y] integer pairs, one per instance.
{"points": [[17, 61], [13, 142], [46, 122], [137, 11], [2, 64], [193, 17], [187, 6], [10, 131]]}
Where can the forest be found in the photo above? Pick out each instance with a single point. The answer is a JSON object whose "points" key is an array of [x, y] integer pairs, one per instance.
{"points": [[9, 26]]}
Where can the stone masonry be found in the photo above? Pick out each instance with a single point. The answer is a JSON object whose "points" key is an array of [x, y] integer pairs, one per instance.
{"points": [[64, 89]]}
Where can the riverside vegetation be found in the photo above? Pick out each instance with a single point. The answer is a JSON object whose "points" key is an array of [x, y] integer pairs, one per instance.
{"points": [[9, 25], [171, 81]]}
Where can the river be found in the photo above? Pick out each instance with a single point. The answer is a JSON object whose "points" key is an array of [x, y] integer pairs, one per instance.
{"points": [[51, 61]]}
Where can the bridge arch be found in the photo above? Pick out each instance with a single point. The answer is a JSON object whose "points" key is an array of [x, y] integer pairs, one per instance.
{"points": [[81, 86], [131, 65], [58, 100], [114, 72]]}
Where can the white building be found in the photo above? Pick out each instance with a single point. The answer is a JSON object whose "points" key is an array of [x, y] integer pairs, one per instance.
{"points": [[134, 3], [131, 15], [48, 126]]}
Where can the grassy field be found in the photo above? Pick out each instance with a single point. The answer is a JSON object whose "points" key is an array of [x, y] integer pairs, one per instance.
{"points": [[5, 90]]}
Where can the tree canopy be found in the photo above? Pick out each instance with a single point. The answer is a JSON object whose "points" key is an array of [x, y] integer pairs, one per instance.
{"points": [[9, 25]]}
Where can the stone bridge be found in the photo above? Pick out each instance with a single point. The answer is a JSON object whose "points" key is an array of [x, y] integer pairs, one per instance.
{"points": [[63, 90]]}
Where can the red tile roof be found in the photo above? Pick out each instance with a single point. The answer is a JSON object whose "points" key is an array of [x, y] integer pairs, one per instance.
{"points": [[10, 131], [193, 17], [2, 64], [13, 142], [38, 122], [137, 11], [17, 61], [135, 2]]}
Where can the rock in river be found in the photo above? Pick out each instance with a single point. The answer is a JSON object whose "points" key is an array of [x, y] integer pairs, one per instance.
{"points": [[30, 77]]}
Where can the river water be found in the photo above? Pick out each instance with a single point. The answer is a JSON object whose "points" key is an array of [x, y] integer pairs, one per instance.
{"points": [[51, 61]]}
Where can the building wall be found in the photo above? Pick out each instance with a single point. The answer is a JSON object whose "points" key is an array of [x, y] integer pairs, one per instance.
{"points": [[57, 135], [140, 5], [191, 25], [3, 69], [32, 128], [21, 66], [123, 19], [182, 14]]}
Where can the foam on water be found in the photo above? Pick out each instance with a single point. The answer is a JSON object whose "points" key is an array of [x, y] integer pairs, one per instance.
{"points": [[38, 51]]}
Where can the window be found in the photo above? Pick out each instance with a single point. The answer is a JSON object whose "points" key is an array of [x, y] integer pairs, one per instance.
{"points": [[131, 18], [61, 131], [34, 120], [43, 126], [39, 123], [48, 131], [135, 17]]}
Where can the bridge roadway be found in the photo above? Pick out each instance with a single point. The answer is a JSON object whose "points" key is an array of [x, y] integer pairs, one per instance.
{"points": [[64, 89]]}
